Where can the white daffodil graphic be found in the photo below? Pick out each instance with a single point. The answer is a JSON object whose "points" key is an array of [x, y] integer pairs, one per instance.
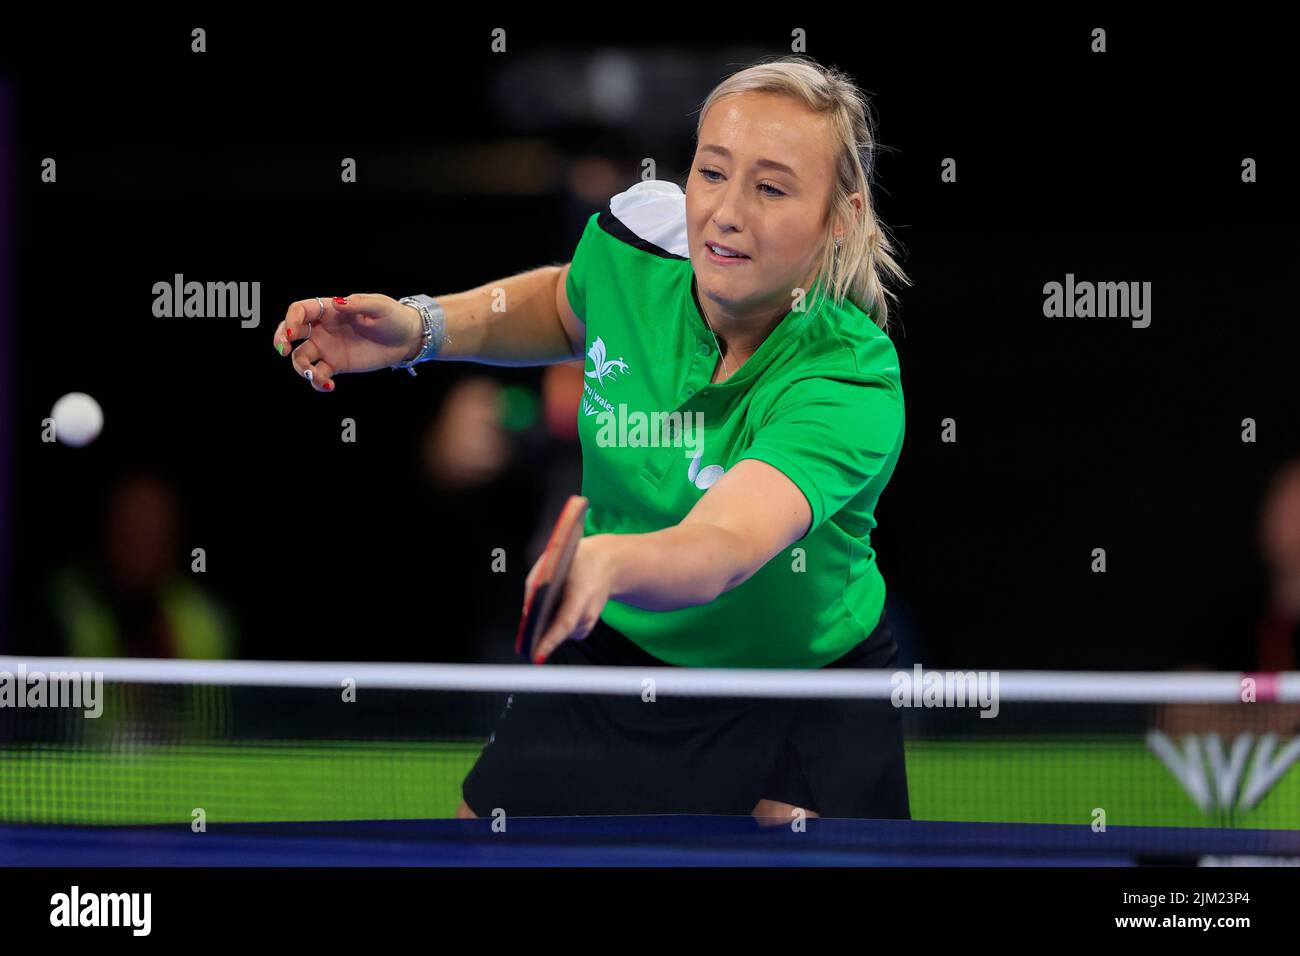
{"points": [[603, 367]]}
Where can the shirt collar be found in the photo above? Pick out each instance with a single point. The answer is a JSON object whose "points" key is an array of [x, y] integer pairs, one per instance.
{"points": [[790, 328]]}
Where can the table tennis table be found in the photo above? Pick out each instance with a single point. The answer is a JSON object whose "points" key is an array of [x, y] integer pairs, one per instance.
{"points": [[640, 841]]}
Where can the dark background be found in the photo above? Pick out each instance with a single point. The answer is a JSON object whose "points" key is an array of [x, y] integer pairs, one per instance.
{"points": [[1072, 433]]}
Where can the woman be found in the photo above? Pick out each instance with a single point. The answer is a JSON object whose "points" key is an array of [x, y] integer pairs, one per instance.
{"points": [[752, 305]]}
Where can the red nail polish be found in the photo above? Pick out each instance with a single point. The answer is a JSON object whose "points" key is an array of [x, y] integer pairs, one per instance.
{"points": [[339, 300], [329, 386], [538, 659], [288, 331]]}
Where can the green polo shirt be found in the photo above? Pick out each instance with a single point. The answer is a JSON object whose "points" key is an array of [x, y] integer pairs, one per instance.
{"points": [[821, 401]]}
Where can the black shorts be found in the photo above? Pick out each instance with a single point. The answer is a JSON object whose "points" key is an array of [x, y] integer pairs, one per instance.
{"points": [[566, 754]]}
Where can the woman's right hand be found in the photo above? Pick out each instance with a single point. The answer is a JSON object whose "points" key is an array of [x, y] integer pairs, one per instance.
{"points": [[360, 333]]}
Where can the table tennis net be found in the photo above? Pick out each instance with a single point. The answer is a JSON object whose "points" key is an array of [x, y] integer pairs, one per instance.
{"points": [[175, 742]]}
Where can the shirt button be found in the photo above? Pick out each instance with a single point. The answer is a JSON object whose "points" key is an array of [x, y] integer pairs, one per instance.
{"points": [[704, 349]]}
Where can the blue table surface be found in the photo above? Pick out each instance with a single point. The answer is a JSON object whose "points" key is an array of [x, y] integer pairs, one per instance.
{"points": [[632, 841]]}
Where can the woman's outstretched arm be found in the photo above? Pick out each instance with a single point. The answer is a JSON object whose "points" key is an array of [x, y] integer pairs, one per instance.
{"points": [[752, 514], [523, 319]]}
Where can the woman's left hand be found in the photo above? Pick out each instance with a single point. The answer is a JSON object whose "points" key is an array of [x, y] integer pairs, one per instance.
{"points": [[591, 579]]}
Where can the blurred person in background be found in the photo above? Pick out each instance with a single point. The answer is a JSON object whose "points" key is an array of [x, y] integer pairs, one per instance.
{"points": [[479, 459], [465, 445], [1277, 631], [499, 469], [1257, 627], [1270, 616], [137, 597]]}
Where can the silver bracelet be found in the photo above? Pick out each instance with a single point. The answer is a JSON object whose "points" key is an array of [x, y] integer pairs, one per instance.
{"points": [[435, 329]]}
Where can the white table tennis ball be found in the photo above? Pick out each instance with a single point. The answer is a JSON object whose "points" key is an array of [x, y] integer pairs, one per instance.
{"points": [[77, 419]]}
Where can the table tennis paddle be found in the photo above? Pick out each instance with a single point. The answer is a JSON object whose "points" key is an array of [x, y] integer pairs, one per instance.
{"points": [[543, 599]]}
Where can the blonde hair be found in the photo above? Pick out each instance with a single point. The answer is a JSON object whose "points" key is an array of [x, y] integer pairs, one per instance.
{"points": [[865, 257]]}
